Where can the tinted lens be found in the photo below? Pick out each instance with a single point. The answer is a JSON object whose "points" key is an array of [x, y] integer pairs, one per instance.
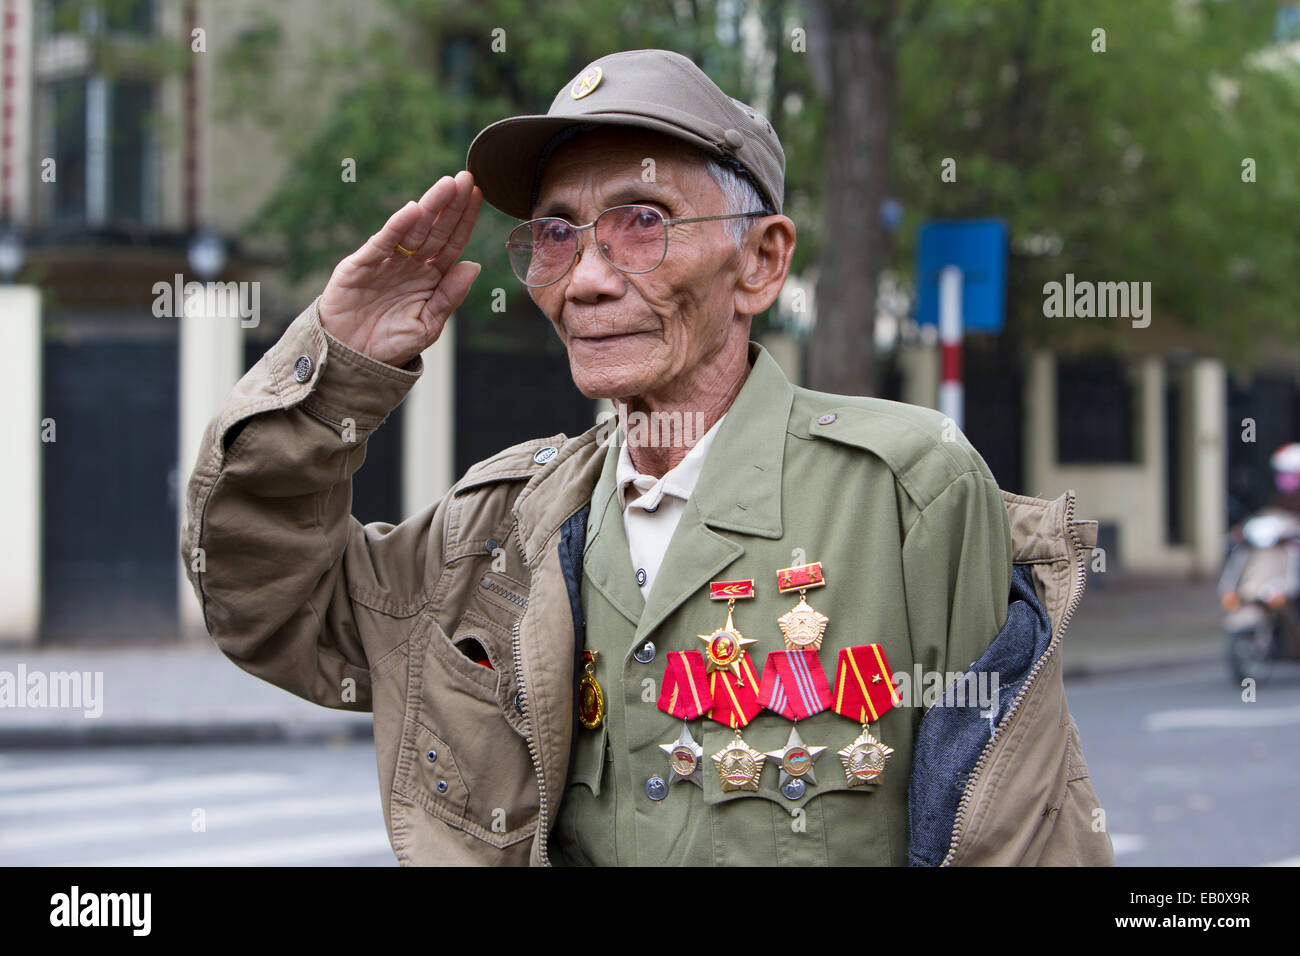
{"points": [[632, 238], [542, 250]]}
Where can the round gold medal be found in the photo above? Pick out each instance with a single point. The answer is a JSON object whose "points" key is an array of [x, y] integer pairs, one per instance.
{"points": [[591, 699]]}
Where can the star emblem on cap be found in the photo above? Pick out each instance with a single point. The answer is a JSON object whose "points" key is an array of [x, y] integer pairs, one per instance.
{"points": [[796, 759], [587, 81]]}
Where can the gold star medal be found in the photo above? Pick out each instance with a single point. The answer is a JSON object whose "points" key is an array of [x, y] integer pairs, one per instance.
{"points": [[725, 647], [802, 625], [864, 759], [739, 765]]}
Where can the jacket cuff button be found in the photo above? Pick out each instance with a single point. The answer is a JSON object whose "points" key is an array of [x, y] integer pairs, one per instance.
{"points": [[432, 756]]}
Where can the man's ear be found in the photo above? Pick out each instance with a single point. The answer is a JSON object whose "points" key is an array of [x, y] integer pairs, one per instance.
{"points": [[765, 263]]}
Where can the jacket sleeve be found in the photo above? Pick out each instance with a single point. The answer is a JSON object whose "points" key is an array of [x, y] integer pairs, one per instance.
{"points": [[293, 588], [957, 572]]}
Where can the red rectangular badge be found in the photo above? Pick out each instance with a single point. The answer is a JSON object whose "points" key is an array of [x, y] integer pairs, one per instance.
{"points": [[726, 590], [803, 576]]}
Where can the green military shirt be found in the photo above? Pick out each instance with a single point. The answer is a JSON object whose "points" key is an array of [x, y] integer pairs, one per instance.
{"points": [[914, 541]]}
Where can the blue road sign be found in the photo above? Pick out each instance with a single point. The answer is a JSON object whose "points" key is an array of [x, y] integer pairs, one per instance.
{"points": [[979, 248]]}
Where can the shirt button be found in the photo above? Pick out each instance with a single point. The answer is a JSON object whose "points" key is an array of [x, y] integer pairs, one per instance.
{"points": [[640, 577], [655, 788], [826, 419], [794, 789], [645, 653], [651, 511], [302, 369]]}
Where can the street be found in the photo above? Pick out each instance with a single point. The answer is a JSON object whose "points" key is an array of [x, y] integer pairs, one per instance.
{"points": [[261, 805], [1189, 775]]}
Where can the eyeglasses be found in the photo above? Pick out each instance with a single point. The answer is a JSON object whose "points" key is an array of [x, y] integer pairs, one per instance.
{"points": [[632, 239]]}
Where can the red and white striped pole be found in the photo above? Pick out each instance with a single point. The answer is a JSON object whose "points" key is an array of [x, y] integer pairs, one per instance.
{"points": [[950, 331], [8, 101]]}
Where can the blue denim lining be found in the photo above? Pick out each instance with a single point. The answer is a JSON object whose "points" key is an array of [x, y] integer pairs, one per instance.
{"points": [[951, 738]]}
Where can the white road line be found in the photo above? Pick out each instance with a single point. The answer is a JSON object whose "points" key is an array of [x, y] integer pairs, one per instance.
{"points": [[217, 820], [190, 788], [76, 776], [295, 850], [1222, 718], [1123, 843]]}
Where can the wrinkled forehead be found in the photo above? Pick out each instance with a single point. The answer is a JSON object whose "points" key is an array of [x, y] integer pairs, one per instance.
{"points": [[621, 164]]}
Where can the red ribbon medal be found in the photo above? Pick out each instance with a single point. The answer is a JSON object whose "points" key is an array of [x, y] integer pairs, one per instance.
{"points": [[685, 692], [864, 685], [794, 685], [734, 703]]}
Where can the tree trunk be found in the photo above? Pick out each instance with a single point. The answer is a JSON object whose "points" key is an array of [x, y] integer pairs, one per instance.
{"points": [[854, 246]]}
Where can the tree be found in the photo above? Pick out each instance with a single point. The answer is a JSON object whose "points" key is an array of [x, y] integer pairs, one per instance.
{"points": [[1111, 136], [860, 91]]}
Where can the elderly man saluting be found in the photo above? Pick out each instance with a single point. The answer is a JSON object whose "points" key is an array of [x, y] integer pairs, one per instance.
{"points": [[701, 642]]}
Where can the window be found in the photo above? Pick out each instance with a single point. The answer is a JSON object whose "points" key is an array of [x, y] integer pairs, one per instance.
{"points": [[98, 129], [1094, 412]]}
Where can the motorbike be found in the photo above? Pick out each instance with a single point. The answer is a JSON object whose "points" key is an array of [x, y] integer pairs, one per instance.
{"points": [[1259, 590]]}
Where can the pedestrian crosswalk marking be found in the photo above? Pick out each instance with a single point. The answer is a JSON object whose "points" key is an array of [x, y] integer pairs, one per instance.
{"points": [[313, 848], [155, 791], [220, 820]]}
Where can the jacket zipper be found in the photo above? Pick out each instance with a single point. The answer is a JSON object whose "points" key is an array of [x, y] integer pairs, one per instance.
{"points": [[531, 738], [1072, 603]]}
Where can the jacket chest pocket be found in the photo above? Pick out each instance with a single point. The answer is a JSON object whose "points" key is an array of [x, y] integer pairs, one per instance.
{"points": [[815, 819], [461, 758]]}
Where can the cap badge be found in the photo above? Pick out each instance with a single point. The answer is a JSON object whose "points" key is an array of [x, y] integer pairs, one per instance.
{"points": [[587, 81]]}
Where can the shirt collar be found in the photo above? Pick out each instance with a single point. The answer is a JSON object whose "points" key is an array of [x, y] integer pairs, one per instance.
{"points": [[739, 487], [646, 491]]}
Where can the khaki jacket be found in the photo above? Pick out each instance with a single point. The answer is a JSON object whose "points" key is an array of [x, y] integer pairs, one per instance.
{"points": [[473, 760]]}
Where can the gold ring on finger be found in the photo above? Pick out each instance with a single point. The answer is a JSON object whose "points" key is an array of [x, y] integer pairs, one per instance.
{"points": [[405, 251]]}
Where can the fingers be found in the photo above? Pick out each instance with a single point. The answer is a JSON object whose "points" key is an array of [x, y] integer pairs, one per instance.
{"points": [[443, 258], [413, 226], [439, 197], [449, 217], [450, 293], [381, 245]]}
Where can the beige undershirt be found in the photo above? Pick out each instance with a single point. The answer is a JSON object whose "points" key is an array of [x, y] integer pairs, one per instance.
{"points": [[653, 506]]}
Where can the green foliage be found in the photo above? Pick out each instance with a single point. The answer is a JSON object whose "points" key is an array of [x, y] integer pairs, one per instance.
{"points": [[1131, 157], [416, 92]]}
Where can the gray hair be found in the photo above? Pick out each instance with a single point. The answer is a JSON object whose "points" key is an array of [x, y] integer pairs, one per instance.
{"points": [[739, 193]]}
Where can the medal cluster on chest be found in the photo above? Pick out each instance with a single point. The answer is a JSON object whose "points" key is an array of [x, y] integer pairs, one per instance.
{"points": [[719, 681]]}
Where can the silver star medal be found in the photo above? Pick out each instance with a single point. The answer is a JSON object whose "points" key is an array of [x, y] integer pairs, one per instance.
{"points": [[685, 759], [796, 760]]}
